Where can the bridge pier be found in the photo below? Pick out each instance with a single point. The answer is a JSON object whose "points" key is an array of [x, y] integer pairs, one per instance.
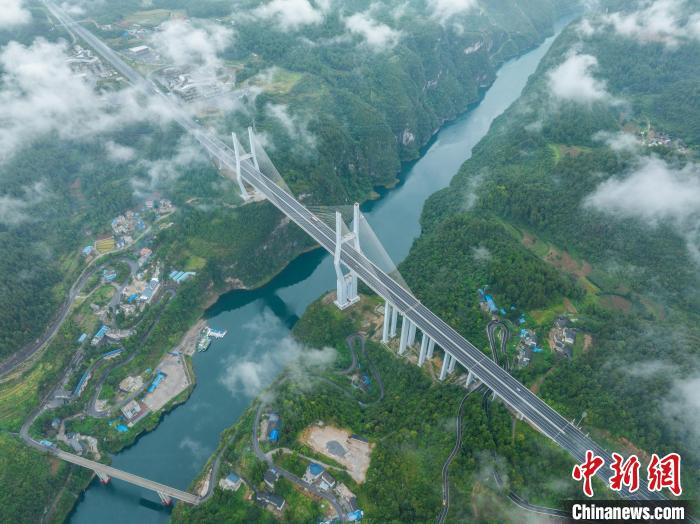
{"points": [[165, 499], [411, 334], [394, 320], [405, 327], [423, 349], [453, 362], [387, 320], [445, 365], [431, 348], [104, 478], [470, 379]]}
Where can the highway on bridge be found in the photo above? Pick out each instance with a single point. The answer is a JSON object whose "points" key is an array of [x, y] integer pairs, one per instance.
{"points": [[512, 392]]}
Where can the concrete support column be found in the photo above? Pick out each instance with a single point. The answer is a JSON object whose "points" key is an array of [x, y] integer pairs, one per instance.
{"points": [[394, 320], [453, 361], [431, 348], [405, 326], [445, 365], [423, 349], [165, 499], [470, 379], [104, 478], [412, 334], [387, 319]]}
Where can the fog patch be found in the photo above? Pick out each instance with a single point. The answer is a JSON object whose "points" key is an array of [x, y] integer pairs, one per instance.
{"points": [[15, 210], [573, 80], [375, 35], [13, 14], [269, 350]]}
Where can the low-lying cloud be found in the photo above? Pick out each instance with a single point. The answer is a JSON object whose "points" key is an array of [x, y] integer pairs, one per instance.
{"points": [[290, 15], [194, 47], [271, 348], [668, 22], [376, 35], [443, 10], [17, 209], [13, 14], [40, 95], [653, 192], [573, 80]]}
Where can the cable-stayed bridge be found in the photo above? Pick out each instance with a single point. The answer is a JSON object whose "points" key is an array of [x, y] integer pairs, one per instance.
{"points": [[352, 264]]}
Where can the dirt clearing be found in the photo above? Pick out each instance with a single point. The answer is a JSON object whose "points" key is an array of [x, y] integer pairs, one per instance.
{"points": [[350, 451]]}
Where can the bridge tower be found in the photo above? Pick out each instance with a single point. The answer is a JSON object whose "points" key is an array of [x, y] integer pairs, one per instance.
{"points": [[241, 155], [165, 499], [346, 284]]}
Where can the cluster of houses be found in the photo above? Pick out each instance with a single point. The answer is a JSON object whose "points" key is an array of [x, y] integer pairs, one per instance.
{"points": [[125, 226], [563, 337], [87, 65], [184, 85], [526, 347], [140, 291]]}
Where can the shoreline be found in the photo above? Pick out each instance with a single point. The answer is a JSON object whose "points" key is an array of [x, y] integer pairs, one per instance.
{"points": [[213, 296]]}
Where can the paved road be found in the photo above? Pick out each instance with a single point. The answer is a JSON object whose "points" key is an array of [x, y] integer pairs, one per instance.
{"points": [[446, 466], [28, 351], [511, 391]]}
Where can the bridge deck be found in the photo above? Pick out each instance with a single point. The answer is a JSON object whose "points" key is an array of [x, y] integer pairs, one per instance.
{"points": [[129, 477]]}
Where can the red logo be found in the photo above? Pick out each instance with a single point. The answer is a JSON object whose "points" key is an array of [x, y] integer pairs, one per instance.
{"points": [[625, 473], [661, 473], [586, 470], [665, 473]]}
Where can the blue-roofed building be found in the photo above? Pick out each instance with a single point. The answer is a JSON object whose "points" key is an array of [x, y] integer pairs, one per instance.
{"points": [[355, 516], [313, 472], [159, 377], [491, 303], [274, 435], [88, 250], [82, 338], [231, 482]]}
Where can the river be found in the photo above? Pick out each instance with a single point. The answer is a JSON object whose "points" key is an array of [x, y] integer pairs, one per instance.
{"points": [[258, 344]]}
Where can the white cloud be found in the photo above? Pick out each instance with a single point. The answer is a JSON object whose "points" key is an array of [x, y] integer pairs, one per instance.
{"points": [[445, 9], [620, 141], [13, 13], [41, 95], [664, 21], [295, 126], [17, 209], [193, 47], [573, 80], [118, 152], [271, 348], [683, 406], [376, 35], [163, 171], [292, 14], [655, 192]]}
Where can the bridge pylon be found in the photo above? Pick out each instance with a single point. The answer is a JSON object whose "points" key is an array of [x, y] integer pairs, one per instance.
{"points": [[165, 499], [241, 155], [346, 284]]}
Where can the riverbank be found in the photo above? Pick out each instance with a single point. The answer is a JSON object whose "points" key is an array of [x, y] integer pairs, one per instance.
{"points": [[284, 297]]}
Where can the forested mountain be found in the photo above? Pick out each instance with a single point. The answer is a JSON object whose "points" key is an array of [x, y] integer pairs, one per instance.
{"points": [[342, 94], [594, 172]]}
